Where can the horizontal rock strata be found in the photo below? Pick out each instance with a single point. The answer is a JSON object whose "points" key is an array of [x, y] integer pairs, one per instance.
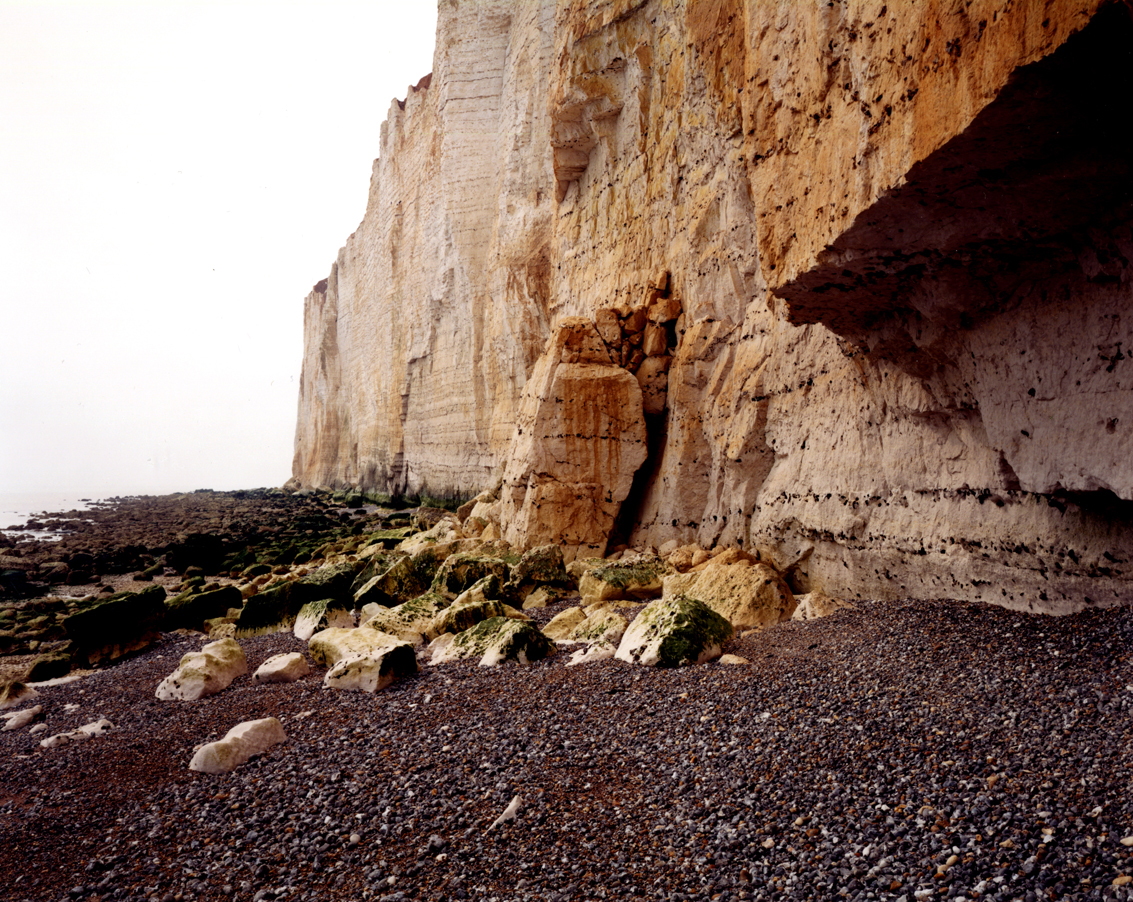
{"points": [[845, 285]]}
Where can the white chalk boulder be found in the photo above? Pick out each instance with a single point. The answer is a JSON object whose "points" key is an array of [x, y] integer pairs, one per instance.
{"points": [[243, 742], [205, 672], [285, 668], [362, 659]]}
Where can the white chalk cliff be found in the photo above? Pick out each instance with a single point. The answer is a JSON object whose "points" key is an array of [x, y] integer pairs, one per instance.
{"points": [[846, 284]]}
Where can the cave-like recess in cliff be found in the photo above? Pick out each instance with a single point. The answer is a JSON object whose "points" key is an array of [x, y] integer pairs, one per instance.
{"points": [[1043, 172]]}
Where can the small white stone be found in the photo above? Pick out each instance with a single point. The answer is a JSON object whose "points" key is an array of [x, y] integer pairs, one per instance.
{"points": [[509, 813]]}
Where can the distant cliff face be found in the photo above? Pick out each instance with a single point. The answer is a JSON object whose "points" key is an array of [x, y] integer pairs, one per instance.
{"points": [[847, 284]]}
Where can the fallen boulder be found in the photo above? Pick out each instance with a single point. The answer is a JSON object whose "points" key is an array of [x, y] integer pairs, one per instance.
{"points": [[561, 625], [284, 668], [589, 654], [190, 611], [329, 581], [271, 611], [579, 567], [109, 628], [465, 510], [542, 597], [444, 532], [672, 632], [363, 659], [205, 672], [461, 571], [637, 578], [408, 621], [405, 578], [479, 603], [320, 615], [15, 692], [602, 623], [243, 742], [745, 592], [541, 566], [494, 641], [49, 667]]}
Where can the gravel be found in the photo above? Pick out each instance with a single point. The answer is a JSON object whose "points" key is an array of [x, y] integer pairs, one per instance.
{"points": [[897, 751]]}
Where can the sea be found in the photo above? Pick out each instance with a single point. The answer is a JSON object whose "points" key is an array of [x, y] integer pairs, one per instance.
{"points": [[16, 508]]}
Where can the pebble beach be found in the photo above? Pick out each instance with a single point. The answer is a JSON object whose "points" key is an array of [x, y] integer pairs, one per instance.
{"points": [[894, 751]]}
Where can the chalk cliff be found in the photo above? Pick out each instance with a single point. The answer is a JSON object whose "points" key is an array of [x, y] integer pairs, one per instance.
{"points": [[846, 284]]}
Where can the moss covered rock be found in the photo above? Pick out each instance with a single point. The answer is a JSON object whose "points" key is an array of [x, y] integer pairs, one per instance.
{"points": [[408, 621], [638, 578], [462, 570], [480, 602], [109, 628], [271, 611], [602, 623], [320, 615], [190, 610], [672, 632], [494, 641], [49, 667], [329, 581], [405, 579], [539, 567]]}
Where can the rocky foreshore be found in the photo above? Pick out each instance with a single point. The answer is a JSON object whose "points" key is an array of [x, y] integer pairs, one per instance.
{"points": [[890, 750]]}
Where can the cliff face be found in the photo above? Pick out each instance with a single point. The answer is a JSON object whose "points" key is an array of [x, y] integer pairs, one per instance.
{"points": [[418, 344], [867, 269]]}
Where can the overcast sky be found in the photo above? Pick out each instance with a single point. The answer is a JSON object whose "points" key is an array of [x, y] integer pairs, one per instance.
{"points": [[174, 177]]}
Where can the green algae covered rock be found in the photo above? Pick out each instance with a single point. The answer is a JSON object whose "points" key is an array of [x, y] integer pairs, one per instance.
{"points": [[190, 610], [480, 602], [271, 611], [408, 621], [320, 615], [462, 570], [117, 625], [494, 641], [672, 632], [638, 578], [539, 567], [329, 581], [406, 578]]}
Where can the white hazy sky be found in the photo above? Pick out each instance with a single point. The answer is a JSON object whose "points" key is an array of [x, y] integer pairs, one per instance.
{"points": [[175, 175]]}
